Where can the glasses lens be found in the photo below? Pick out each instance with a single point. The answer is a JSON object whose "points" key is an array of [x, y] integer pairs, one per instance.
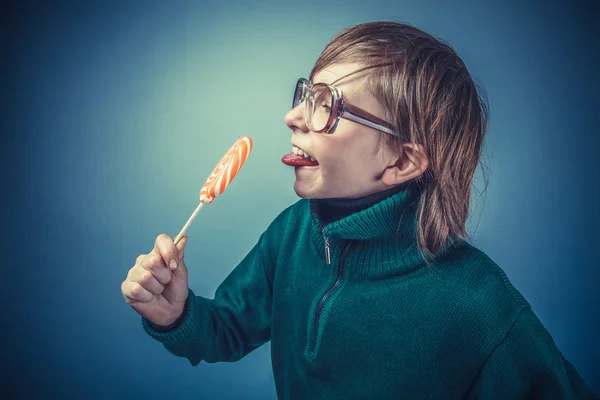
{"points": [[320, 105], [299, 92]]}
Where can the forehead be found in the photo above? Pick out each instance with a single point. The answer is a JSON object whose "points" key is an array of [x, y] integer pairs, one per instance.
{"points": [[353, 86], [336, 75]]}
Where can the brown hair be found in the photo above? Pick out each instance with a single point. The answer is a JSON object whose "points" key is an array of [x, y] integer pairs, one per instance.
{"points": [[430, 98]]}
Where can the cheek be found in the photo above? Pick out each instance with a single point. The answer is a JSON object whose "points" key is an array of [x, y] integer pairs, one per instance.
{"points": [[335, 156], [350, 167], [354, 151]]}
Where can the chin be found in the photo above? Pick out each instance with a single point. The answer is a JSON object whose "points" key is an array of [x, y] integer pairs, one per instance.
{"points": [[300, 192], [305, 193]]}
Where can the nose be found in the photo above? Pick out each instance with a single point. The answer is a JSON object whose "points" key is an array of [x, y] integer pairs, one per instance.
{"points": [[295, 118]]}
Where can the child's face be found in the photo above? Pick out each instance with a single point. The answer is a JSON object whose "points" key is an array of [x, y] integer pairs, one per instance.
{"points": [[351, 161]]}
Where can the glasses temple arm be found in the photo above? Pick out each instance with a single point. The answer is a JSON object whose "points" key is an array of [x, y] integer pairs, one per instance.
{"points": [[364, 121]]}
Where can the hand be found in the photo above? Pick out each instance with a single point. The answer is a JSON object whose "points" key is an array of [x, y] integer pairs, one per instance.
{"points": [[155, 289]]}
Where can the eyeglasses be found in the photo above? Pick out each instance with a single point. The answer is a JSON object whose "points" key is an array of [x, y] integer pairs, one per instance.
{"points": [[325, 105]]}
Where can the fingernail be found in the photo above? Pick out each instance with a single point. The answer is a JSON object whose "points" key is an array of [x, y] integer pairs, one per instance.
{"points": [[173, 264]]}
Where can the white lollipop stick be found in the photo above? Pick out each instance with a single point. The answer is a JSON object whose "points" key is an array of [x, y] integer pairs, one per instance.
{"points": [[187, 224]]}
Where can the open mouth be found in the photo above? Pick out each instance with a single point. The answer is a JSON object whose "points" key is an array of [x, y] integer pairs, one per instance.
{"points": [[299, 158]]}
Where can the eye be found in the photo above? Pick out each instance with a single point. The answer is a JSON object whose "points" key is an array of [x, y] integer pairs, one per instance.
{"points": [[326, 108]]}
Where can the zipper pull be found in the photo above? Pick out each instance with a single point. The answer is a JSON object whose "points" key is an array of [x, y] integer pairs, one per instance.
{"points": [[327, 254]]}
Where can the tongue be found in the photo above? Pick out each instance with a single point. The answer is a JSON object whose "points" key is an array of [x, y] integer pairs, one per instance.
{"points": [[297, 161]]}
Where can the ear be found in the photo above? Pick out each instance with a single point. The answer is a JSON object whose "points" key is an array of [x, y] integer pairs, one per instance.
{"points": [[413, 162]]}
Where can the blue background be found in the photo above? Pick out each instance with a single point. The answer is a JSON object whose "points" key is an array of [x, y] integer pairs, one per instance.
{"points": [[115, 114]]}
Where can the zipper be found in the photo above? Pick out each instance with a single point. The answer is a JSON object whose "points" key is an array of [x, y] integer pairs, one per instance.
{"points": [[327, 253], [329, 291]]}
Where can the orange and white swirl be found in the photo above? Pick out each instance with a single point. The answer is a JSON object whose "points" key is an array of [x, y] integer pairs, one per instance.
{"points": [[226, 170]]}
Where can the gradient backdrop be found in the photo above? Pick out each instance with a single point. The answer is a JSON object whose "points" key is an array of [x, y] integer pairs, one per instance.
{"points": [[115, 114]]}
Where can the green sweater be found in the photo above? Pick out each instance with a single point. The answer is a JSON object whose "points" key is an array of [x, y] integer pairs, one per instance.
{"points": [[353, 312]]}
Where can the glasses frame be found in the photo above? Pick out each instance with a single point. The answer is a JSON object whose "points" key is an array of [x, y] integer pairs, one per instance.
{"points": [[340, 109]]}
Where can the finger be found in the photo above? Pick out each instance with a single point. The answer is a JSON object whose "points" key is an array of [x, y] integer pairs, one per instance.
{"points": [[134, 292], [146, 280], [181, 249], [166, 248], [154, 263], [181, 272]]}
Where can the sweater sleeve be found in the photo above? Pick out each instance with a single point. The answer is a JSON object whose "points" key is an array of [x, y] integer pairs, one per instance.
{"points": [[528, 365], [234, 323]]}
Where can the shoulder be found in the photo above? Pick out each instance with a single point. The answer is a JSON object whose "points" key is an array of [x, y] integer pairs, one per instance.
{"points": [[485, 301], [286, 223], [290, 217], [478, 276]]}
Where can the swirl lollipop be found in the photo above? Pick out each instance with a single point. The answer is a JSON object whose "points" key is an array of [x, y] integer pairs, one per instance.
{"points": [[221, 176], [226, 170]]}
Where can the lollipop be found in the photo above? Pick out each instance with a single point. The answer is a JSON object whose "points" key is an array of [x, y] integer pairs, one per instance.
{"points": [[221, 176], [225, 171]]}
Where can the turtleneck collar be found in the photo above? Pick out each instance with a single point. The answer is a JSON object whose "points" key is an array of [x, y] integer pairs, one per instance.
{"points": [[382, 236], [333, 209]]}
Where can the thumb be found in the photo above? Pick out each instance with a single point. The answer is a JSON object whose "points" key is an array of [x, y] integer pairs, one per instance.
{"points": [[180, 273], [180, 249]]}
